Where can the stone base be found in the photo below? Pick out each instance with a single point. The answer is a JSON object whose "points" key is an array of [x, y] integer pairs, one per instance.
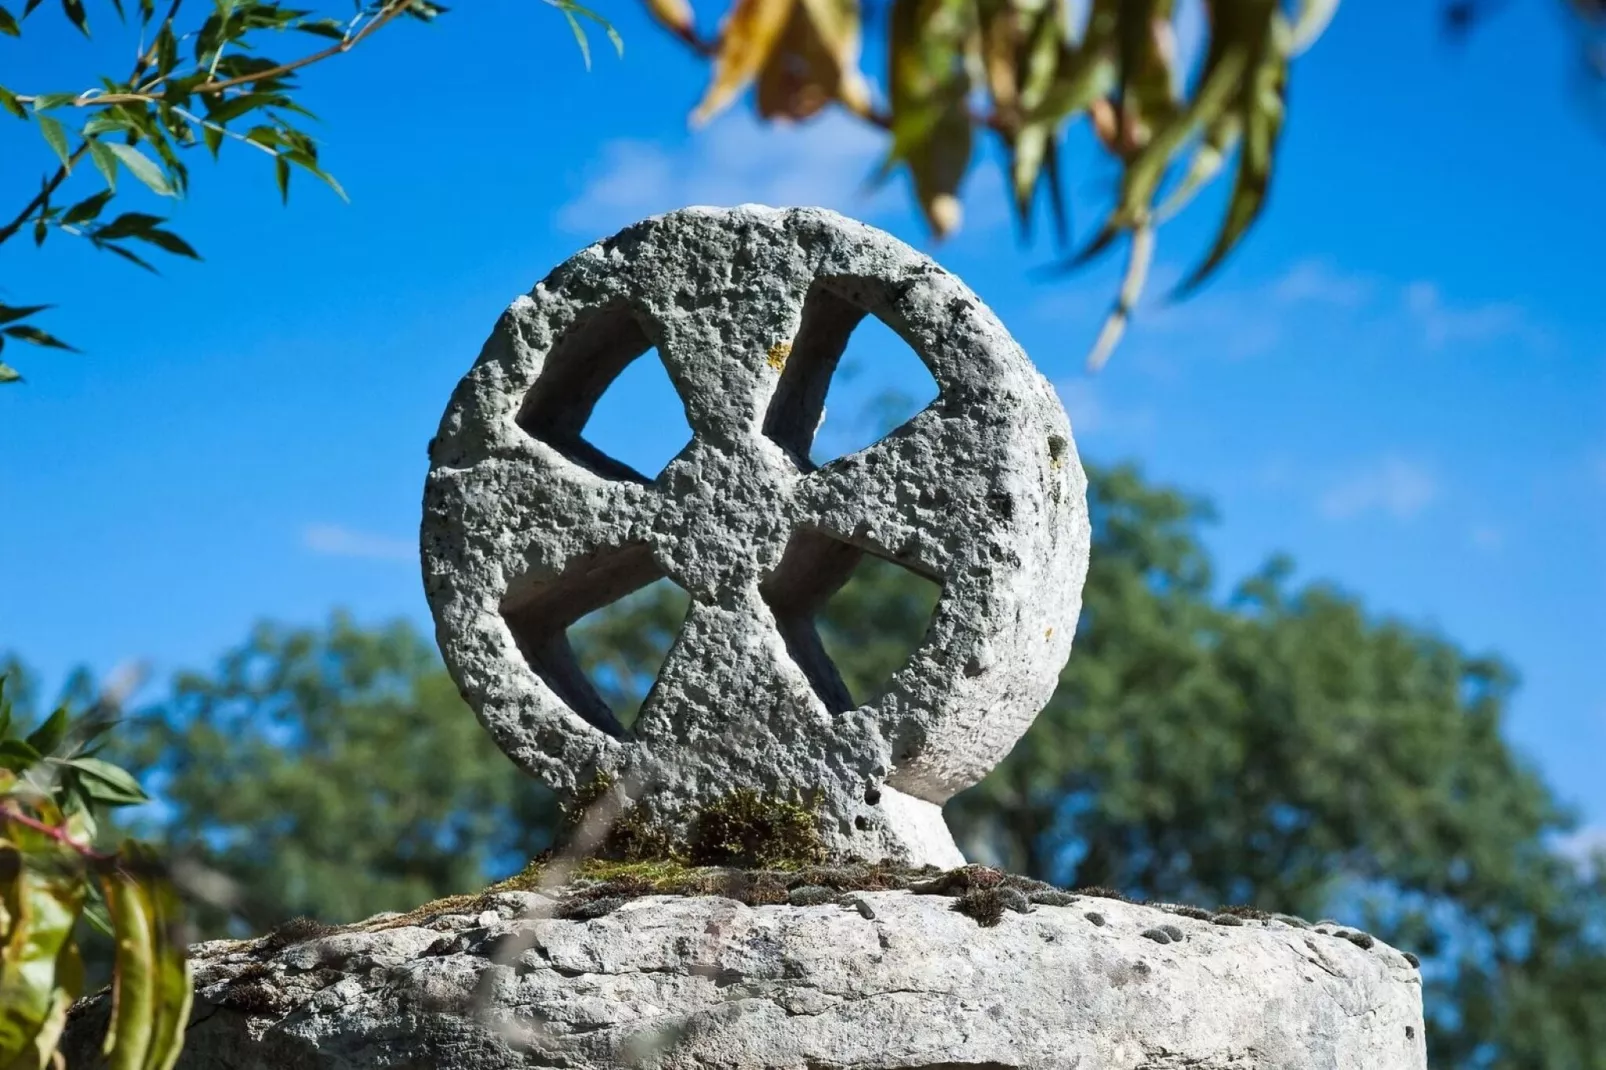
{"points": [[889, 979]]}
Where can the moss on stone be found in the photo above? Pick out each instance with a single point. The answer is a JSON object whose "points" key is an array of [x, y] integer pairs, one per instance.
{"points": [[746, 828], [984, 905]]}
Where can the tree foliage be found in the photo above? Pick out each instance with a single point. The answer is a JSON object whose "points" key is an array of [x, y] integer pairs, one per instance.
{"points": [[332, 772], [200, 80], [1024, 73], [52, 784]]}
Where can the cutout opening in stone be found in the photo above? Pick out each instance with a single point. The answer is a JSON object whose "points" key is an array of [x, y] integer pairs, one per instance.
{"points": [[851, 619], [598, 633], [847, 381], [604, 399]]}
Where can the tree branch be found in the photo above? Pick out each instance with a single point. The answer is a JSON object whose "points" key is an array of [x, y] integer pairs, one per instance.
{"points": [[60, 835], [390, 11], [146, 58], [42, 198]]}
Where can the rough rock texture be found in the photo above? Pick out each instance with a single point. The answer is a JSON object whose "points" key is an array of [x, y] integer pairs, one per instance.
{"points": [[864, 980], [527, 527]]}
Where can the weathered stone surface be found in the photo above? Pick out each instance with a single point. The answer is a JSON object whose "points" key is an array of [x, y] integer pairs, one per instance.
{"points": [[527, 527], [870, 980]]}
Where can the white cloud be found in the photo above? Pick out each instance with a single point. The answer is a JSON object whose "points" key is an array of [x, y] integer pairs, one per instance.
{"points": [[1235, 324], [1091, 415], [1441, 324], [1310, 298], [1395, 486], [1319, 282], [736, 160], [1584, 845], [334, 540]]}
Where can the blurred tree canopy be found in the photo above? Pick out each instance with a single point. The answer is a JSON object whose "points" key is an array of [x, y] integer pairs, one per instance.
{"points": [[332, 772], [1275, 746]]}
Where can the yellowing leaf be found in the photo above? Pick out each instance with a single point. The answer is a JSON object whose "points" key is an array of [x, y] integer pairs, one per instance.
{"points": [[36, 984], [174, 985], [1310, 23], [836, 22], [675, 14], [1001, 32], [1029, 149], [815, 61], [745, 42], [1261, 108], [128, 1040], [931, 129]]}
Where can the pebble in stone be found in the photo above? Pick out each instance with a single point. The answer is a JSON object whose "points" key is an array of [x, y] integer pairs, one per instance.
{"points": [[527, 527]]}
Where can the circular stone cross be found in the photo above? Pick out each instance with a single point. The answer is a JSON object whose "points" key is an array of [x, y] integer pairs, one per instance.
{"points": [[528, 527]]}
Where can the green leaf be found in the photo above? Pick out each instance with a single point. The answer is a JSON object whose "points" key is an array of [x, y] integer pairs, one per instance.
{"points": [[571, 9], [87, 209], [133, 978], [169, 242], [105, 161], [46, 101], [18, 755], [37, 337], [1262, 120], [281, 174], [108, 783], [106, 123], [8, 374], [95, 914], [128, 224], [141, 167], [40, 973], [330, 28], [48, 736], [74, 10], [129, 255], [56, 137], [9, 101], [175, 988], [8, 23], [12, 313]]}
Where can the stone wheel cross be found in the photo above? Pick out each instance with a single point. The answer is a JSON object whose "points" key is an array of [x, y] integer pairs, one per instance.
{"points": [[528, 527]]}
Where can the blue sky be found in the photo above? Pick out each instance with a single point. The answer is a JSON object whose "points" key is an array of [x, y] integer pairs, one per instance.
{"points": [[1399, 380]]}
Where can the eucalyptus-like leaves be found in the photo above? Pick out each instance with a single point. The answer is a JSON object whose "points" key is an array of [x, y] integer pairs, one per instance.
{"points": [[52, 784], [204, 84], [1022, 72]]}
